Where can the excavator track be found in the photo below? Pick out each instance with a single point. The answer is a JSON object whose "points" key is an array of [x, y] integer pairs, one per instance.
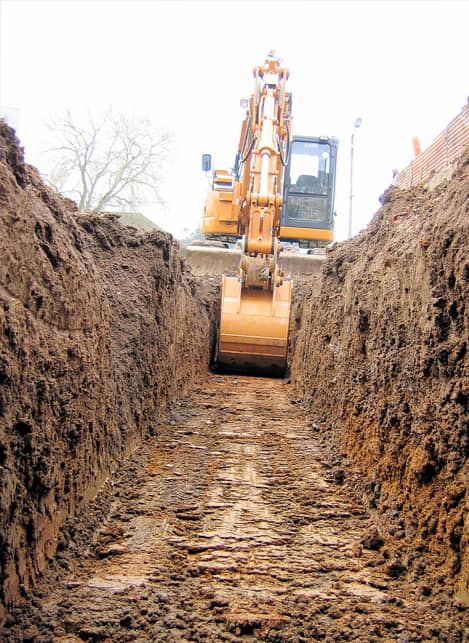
{"points": [[230, 525]]}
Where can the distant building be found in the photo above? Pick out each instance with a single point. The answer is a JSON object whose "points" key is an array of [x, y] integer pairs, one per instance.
{"points": [[438, 161]]}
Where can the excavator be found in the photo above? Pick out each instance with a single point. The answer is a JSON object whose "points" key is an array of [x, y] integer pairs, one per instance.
{"points": [[279, 196]]}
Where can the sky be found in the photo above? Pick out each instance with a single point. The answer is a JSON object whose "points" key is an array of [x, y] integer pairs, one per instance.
{"points": [[401, 66]]}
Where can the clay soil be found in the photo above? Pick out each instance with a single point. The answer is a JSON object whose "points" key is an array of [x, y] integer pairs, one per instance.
{"points": [[232, 526]]}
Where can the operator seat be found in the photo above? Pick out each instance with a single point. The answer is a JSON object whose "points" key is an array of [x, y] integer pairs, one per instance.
{"points": [[307, 184]]}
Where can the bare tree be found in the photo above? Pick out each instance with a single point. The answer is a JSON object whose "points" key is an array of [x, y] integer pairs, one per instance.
{"points": [[114, 162]]}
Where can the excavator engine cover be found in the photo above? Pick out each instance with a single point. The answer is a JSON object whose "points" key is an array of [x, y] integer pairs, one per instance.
{"points": [[253, 333]]}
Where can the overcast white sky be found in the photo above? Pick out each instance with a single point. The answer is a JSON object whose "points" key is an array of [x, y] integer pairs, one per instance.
{"points": [[401, 66]]}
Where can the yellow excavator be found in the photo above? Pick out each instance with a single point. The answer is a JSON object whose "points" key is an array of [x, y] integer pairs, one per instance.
{"points": [[278, 197]]}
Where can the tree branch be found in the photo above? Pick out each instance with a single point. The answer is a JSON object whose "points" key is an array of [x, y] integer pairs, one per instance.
{"points": [[112, 161]]}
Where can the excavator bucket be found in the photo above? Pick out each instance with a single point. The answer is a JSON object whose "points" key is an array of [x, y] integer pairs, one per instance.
{"points": [[253, 331]]}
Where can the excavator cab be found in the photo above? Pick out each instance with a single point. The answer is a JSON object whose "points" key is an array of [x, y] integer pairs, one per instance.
{"points": [[308, 197]]}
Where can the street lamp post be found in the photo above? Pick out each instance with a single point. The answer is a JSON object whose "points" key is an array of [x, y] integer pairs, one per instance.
{"points": [[356, 125]]}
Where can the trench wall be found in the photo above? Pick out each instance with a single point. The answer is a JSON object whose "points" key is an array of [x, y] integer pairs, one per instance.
{"points": [[100, 329], [381, 363]]}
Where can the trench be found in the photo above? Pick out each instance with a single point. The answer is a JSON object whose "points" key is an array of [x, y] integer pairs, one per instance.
{"points": [[145, 499]]}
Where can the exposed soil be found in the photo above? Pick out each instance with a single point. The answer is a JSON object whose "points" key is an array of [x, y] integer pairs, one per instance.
{"points": [[381, 363], [233, 526], [100, 328], [142, 499]]}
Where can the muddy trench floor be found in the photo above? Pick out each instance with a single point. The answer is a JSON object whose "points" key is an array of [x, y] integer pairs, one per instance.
{"points": [[233, 527]]}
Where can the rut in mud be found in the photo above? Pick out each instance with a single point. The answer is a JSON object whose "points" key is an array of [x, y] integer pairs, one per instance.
{"points": [[232, 525]]}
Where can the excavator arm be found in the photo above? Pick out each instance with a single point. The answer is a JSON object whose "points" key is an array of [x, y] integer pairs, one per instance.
{"points": [[261, 156], [255, 306]]}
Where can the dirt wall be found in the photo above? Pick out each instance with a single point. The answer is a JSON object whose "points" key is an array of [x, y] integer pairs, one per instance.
{"points": [[381, 363], [100, 328]]}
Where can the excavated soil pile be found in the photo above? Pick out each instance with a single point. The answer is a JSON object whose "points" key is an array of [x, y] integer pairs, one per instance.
{"points": [[101, 327], [381, 362]]}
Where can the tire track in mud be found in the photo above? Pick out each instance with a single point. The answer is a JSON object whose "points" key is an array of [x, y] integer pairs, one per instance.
{"points": [[236, 529]]}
